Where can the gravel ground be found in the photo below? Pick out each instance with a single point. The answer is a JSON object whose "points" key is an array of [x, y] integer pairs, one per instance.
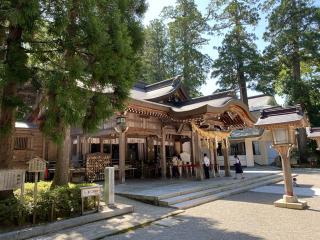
{"points": [[249, 215]]}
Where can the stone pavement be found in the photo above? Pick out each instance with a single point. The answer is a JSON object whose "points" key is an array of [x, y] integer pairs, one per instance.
{"points": [[249, 215], [149, 189], [143, 214]]}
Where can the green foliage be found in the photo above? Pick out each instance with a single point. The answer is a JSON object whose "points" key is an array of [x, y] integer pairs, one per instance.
{"points": [[154, 54], [186, 29], [293, 52], [63, 202], [239, 61], [18, 21], [88, 60], [226, 68]]}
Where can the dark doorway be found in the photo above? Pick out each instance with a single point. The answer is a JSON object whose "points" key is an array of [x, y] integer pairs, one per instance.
{"points": [[132, 154], [95, 147]]}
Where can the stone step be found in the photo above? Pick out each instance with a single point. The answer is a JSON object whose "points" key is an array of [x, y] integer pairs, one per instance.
{"points": [[211, 191], [209, 186], [216, 196]]}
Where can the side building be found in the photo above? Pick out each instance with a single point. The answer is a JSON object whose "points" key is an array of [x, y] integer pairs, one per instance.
{"points": [[252, 145]]}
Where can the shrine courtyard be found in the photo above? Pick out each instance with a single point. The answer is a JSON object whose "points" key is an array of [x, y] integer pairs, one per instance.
{"points": [[249, 215]]}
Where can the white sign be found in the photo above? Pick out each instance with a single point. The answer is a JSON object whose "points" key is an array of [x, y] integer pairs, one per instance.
{"points": [[11, 179], [90, 191], [37, 164]]}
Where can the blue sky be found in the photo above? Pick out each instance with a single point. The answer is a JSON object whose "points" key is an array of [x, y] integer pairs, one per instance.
{"points": [[154, 10]]}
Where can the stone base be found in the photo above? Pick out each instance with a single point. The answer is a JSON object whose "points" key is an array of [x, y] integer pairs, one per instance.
{"points": [[290, 202]]}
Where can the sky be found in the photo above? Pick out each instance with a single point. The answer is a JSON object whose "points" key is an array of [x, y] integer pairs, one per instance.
{"points": [[154, 10]]}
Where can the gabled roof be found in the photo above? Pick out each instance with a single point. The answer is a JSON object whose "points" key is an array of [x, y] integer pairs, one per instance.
{"points": [[158, 91], [292, 115], [313, 132], [259, 102], [218, 103]]}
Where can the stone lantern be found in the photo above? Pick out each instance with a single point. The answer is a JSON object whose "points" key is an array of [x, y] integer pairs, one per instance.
{"points": [[282, 122], [121, 124], [121, 128]]}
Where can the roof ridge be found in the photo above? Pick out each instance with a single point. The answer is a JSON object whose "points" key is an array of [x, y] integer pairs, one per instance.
{"points": [[279, 110], [229, 93], [260, 95], [167, 82]]}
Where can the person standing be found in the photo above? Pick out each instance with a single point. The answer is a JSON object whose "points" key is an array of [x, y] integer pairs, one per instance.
{"points": [[206, 165], [238, 167], [175, 170]]}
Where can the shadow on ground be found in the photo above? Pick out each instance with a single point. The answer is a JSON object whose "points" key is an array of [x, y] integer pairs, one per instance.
{"points": [[183, 227]]}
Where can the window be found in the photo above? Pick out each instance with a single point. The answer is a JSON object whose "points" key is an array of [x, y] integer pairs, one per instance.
{"points": [[107, 148], [20, 143], [256, 148], [237, 148]]}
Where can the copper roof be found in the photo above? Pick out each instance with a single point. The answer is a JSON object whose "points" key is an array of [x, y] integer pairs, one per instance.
{"points": [[159, 90]]}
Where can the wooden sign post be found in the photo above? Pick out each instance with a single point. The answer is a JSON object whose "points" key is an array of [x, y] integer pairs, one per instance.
{"points": [[12, 179], [36, 165], [90, 191]]}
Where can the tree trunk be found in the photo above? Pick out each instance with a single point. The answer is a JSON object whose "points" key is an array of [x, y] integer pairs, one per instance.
{"points": [[242, 85], [8, 107], [61, 175], [7, 123], [240, 72]]}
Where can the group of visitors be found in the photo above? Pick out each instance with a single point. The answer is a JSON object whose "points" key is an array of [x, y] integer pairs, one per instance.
{"points": [[177, 162]]}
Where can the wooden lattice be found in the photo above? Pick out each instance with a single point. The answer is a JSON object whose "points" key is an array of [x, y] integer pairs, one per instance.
{"points": [[95, 165]]}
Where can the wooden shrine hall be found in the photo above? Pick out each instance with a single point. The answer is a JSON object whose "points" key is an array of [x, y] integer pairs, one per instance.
{"points": [[161, 120]]}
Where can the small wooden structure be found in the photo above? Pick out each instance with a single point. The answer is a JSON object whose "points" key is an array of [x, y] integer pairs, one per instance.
{"points": [[161, 120], [314, 134], [29, 142]]}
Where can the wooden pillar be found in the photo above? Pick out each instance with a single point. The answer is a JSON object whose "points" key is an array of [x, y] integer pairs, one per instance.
{"points": [[122, 156], [101, 144], [163, 160], [193, 151], [211, 150], [78, 148], [286, 168], [215, 156], [226, 158], [199, 169]]}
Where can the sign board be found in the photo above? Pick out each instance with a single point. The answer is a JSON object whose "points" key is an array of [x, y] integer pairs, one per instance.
{"points": [[37, 164], [90, 191], [11, 179]]}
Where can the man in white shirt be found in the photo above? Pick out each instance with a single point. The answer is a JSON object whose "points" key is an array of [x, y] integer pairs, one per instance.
{"points": [[206, 165]]}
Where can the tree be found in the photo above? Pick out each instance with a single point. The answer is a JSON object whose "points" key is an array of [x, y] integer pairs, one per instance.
{"points": [[154, 65], [239, 60], [186, 29], [87, 66], [18, 22], [294, 38]]}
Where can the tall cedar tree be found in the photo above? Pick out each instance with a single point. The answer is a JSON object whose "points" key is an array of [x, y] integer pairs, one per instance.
{"points": [[154, 64], [239, 60], [186, 29], [87, 66], [294, 51], [18, 22]]}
